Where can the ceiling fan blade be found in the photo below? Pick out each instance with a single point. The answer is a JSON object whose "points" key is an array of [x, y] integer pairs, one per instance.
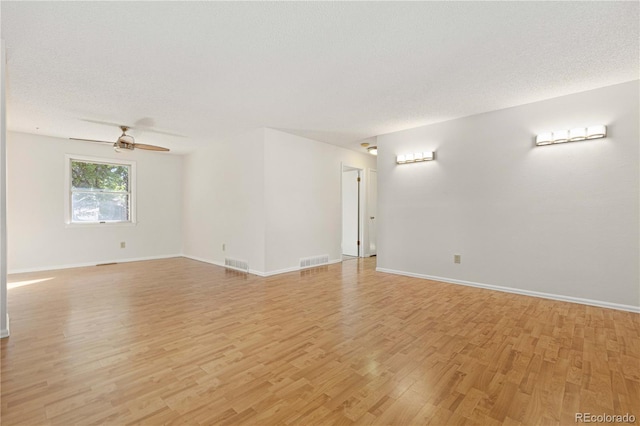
{"points": [[106, 123], [150, 147], [89, 140], [142, 125], [146, 122], [160, 132]]}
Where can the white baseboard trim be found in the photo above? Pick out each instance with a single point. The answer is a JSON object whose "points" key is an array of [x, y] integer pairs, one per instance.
{"points": [[5, 331], [202, 259], [222, 265], [82, 265], [279, 271], [298, 268], [255, 272], [579, 300]]}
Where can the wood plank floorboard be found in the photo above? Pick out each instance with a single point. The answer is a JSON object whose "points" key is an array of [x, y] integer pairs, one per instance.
{"points": [[178, 341]]}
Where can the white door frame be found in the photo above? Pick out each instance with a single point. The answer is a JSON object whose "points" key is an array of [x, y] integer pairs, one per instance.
{"points": [[363, 246], [368, 216]]}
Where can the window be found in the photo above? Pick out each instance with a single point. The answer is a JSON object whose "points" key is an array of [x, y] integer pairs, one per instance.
{"points": [[100, 191]]}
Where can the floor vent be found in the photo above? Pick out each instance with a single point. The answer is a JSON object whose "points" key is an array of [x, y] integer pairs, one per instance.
{"points": [[237, 264], [308, 262]]}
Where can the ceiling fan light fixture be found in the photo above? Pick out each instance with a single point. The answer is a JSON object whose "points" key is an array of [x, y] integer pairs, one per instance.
{"points": [[373, 150], [125, 139]]}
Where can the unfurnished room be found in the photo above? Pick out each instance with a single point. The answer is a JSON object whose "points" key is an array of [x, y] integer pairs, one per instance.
{"points": [[320, 213]]}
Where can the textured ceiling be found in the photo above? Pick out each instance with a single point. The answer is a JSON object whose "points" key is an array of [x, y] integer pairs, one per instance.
{"points": [[334, 71]]}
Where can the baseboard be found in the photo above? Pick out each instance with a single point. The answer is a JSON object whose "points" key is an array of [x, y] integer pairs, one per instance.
{"points": [[5, 331], [203, 260], [579, 300], [222, 265], [82, 265], [256, 272], [298, 268]]}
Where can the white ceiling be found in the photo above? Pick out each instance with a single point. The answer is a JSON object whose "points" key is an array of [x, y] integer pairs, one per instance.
{"points": [[337, 72]]}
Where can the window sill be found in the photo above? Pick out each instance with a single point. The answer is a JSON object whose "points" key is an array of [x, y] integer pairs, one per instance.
{"points": [[99, 225]]}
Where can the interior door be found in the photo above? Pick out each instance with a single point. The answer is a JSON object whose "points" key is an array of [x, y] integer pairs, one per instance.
{"points": [[372, 209], [350, 232]]}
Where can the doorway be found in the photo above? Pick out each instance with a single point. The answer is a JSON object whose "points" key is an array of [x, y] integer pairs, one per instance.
{"points": [[351, 180]]}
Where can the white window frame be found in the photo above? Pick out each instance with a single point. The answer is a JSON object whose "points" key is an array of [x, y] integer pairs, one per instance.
{"points": [[112, 161]]}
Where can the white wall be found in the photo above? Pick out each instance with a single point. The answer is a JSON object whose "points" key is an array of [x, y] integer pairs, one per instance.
{"points": [[38, 235], [4, 319], [224, 201], [303, 198], [560, 219], [270, 197]]}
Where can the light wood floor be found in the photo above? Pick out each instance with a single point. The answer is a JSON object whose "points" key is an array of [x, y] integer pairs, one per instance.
{"points": [[182, 342]]}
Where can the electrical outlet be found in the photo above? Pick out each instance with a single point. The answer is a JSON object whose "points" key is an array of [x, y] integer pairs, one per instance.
{"points": [[123, 244], [457, 258], [224, 246]]}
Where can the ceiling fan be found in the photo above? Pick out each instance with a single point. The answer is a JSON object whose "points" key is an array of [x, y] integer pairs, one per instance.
{"points": [[126, 142]]}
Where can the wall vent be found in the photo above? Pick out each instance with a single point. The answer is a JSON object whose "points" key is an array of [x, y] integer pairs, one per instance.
{"points": [[309, 262], [237, 264]]}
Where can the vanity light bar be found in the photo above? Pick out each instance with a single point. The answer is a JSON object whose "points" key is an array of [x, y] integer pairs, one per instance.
{"points": [[573, 135], [415, 157]]}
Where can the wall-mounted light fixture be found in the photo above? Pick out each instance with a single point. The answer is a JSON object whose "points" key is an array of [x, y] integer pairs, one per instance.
{"points": [[595, 132], [415, 157], [573, 135]]}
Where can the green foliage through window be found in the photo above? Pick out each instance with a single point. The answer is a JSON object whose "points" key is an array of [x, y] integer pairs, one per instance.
{"points": [[100, 192], [99, 176]]}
